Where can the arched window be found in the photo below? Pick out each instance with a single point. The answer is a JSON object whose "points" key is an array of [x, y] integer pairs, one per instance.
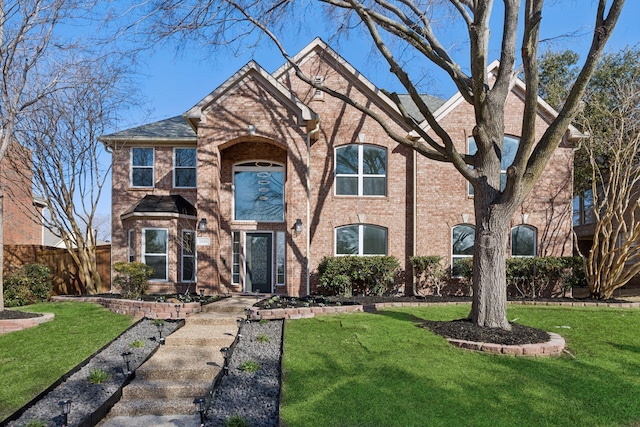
{"points": [[361, 239], [361, 170], [462, 239], [258, 192], [523, 241], [509, 149]]}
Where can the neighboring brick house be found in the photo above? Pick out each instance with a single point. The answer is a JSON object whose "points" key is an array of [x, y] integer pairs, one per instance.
{"points": [[21, 217], [254, 185]]}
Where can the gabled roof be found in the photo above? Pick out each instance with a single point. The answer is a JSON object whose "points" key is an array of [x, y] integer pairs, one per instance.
{"points": [[175, 129], [172, 205], [544, 110], [253, 71]]}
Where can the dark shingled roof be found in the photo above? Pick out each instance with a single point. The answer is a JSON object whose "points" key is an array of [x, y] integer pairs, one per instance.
{"points": [[164, 204], [174, 128], [433, 103]]}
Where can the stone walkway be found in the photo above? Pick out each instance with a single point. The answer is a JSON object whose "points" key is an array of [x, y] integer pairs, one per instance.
{"points": [[185, 368]]}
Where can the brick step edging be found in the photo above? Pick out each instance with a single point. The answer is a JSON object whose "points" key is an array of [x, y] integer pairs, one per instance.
{"points": [[149, 309]]}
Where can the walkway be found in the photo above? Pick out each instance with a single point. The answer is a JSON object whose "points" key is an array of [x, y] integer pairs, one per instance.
{"points": [[164, 388]]}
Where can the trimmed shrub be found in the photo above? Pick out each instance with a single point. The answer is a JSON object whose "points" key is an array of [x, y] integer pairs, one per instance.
{"points": [[29, 284], [428, 273], [349, 275], [132, 279]]}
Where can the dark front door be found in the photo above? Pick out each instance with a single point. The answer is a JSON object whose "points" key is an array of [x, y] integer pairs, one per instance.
{"points": [[259, 260]]}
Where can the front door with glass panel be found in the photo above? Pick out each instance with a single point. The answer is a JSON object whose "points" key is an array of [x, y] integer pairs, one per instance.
{"points": [[259, 252]]}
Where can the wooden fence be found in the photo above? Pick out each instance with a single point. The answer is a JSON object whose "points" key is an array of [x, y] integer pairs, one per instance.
{"points": [[59, 261]]}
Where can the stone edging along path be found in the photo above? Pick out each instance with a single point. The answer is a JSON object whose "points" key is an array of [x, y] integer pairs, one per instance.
{"points": [[553, 347]]}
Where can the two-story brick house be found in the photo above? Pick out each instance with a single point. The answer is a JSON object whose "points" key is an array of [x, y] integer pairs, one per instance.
{"points": [[251, 187]]}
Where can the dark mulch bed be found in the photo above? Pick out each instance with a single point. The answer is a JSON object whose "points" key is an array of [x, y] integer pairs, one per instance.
{"points": [[13, 314], [464, 329]]}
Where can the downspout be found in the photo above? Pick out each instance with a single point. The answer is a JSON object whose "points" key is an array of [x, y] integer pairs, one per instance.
{"points": [[308, 221]]}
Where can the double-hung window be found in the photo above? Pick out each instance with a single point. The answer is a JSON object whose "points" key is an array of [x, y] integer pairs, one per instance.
{"points": [[155, 243], [462, 240], [142, 167], [509, 149], [361, 239], [361, 170], [184, 167]]}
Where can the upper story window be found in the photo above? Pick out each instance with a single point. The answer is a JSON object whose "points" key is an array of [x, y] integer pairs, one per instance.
{"points": [[258, 192], [523, 241], [583, 208], [361, 239], [509, 149], [142, 167], [361, 170], [184, 167]]}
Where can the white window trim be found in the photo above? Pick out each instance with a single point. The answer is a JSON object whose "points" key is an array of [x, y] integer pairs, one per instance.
{"points": [[454, 257], [183, 256], [184, 167], [144, 252], [360, 173], [237, 168], [152, 167], [535, 241], [360, 240]]}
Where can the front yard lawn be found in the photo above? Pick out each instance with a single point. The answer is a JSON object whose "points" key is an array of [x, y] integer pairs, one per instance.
{"points": [[33, 359], [379, 369]]}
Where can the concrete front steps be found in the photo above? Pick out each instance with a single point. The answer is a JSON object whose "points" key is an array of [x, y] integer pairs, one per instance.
{"points": [[180, 371]]}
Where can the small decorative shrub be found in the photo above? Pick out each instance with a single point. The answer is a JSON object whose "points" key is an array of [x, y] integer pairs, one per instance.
{"points": [[262, 338], [27, 285], [236, 421], [349, 275], [132, 278], [249, 366], [428, 273], [136, 344], [98, 376]]}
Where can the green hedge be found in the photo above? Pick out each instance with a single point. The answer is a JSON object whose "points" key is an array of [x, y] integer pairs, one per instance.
{"points": [[429, 273], [29, 284], [534, 277], [349, 275], [132, 278]]}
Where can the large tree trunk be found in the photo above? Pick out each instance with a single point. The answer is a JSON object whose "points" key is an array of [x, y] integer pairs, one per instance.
{"points": [[488, 308]]}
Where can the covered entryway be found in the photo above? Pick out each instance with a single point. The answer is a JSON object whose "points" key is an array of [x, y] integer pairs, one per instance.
{"points": [[259, 261]]}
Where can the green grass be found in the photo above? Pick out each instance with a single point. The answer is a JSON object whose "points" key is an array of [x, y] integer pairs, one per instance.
{"points": [[33, 359], [381, 370]]}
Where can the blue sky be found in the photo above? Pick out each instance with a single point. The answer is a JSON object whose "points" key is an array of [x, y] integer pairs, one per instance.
{"points": [[173, 82]]}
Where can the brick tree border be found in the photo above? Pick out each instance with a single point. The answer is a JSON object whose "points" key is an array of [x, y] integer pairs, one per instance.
{"points": [[13, 325], [553, 347]]}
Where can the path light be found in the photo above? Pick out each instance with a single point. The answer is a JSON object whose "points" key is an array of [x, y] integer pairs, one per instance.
{"points": [[177, 307], [201, 292], [127, 360], [247, 311], [200, 406], [239, 337], [225, 352], [65, 408], [160, 326], [239, 321]]}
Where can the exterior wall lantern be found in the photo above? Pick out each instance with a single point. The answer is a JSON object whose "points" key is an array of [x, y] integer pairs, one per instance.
{"points": [[202, 225], [298, 226]]}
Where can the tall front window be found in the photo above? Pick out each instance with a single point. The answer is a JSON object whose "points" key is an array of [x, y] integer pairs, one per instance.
{"points": [[583, 208], [258, 192], [280, 258], [188, 256], [523, 241], [361, 170], [155, 242], [462, 239], [361, 239], [235, 258], [509, 149], [184, 167], [141, 167]]}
